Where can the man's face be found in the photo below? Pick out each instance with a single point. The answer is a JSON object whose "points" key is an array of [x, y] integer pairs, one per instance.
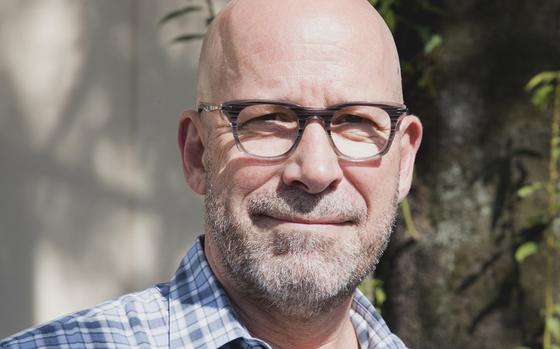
{"points": [[299, 234]]}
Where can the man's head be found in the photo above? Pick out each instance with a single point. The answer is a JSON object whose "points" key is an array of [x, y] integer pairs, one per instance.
{"points": [[299, 232]]}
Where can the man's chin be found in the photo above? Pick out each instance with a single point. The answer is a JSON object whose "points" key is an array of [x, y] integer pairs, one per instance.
{"points": [[302, 286], [302, 276], [303, 242]]}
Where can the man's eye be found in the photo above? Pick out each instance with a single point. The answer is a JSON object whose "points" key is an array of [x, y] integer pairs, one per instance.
{"points": [[271, 118], [351, 119], [271, 123]]}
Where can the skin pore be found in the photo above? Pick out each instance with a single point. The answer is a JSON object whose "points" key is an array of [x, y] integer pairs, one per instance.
{"points": [[290, 239]]}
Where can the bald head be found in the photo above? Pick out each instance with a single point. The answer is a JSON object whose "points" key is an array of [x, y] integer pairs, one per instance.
{"points": [[311, 52]]}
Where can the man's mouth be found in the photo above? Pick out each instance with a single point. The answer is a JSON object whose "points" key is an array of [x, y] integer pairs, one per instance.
{"points": [[295, 219]]}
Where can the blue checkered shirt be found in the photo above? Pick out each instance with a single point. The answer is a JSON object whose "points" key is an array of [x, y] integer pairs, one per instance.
{"points": [[190, 311]]}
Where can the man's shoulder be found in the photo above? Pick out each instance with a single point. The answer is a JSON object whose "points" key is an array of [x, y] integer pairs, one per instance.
{"points": [[132, 320]]}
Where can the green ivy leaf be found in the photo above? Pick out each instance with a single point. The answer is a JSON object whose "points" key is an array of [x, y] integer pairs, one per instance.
{"points": [[529, 189], [380, 296], [432, 43], [545, 77], [553, 325], [541, 96], [557, 308], [525, 250]]}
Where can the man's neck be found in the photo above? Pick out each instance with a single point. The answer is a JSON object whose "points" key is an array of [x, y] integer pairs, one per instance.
{"points": [[329, 330]]}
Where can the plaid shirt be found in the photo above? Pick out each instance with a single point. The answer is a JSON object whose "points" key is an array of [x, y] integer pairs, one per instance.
{"points": [[190, 311]]}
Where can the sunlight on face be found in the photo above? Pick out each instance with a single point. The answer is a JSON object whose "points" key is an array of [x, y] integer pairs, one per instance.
{"points": [[298, 235]]}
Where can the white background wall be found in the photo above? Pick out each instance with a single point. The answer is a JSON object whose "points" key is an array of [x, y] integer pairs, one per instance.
{"points": [[93, 203]]}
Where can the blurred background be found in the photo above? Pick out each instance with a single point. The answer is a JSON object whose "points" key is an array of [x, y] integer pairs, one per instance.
{"points": [[93, 199], [94, 204]]}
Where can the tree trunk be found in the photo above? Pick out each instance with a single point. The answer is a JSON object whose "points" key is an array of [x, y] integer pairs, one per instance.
{"points": [[459, 285]]}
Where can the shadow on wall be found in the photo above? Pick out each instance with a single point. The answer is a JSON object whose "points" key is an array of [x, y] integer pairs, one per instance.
{"points": [[93, 202]]}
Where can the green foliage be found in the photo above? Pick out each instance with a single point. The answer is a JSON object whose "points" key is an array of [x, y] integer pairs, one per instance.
{"points": [[557, 309], [553, 325], [541, 96], [432, 42], [408, 220], [525, 250], [546, 77], [373, 289], [530, 189], [543, 86]]}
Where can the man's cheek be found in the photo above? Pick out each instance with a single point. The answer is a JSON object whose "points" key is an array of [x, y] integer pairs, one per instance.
{"points": [[250, 177]]}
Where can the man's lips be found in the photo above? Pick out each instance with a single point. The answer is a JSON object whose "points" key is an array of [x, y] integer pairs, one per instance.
{"points": [[305, 220]]}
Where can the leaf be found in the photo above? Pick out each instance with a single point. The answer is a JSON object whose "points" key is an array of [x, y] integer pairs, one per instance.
{"points": [[541, 96], [525, 250], [187, 37], [545, 77], [529, 189], [557, 308], [367, 286], [553, 325], [178, 13], [380, 296], [433, 42], [408, 220]]}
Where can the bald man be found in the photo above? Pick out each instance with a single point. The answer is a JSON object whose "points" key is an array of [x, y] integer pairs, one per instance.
{"points": [[302, 148]]}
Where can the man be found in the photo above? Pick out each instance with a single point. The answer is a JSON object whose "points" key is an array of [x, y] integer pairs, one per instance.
{"points": [[302, 148]]}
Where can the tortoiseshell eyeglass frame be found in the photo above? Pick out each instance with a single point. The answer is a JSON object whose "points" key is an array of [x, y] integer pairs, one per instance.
{"points": [[232, 109]]}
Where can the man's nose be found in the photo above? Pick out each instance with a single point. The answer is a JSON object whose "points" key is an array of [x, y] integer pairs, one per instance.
{"points": [[314, 165]]}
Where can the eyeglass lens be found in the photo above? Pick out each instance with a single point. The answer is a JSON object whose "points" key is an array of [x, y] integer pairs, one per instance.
{"points": [[269, 130]]}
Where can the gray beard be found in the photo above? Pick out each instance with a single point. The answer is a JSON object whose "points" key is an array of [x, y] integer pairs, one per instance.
{"points": [[296, 274]]}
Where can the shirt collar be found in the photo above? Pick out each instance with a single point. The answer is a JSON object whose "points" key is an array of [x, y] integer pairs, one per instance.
{"points": [[201, 315]]}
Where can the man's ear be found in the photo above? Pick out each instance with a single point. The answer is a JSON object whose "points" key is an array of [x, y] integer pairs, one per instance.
{"points": [[191, 147], [411, 136]]}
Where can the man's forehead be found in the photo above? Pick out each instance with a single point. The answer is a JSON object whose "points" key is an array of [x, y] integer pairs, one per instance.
{"points": [[289, 48]]}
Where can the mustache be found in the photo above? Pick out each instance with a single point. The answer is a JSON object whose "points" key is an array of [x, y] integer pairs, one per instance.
{"points": [[291, 201]]}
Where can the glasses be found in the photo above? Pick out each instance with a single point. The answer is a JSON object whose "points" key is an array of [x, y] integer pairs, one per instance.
{"points": [[271, 130]]}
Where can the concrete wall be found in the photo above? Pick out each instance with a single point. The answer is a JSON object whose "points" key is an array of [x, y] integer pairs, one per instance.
{"points": [[93, 203]]}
